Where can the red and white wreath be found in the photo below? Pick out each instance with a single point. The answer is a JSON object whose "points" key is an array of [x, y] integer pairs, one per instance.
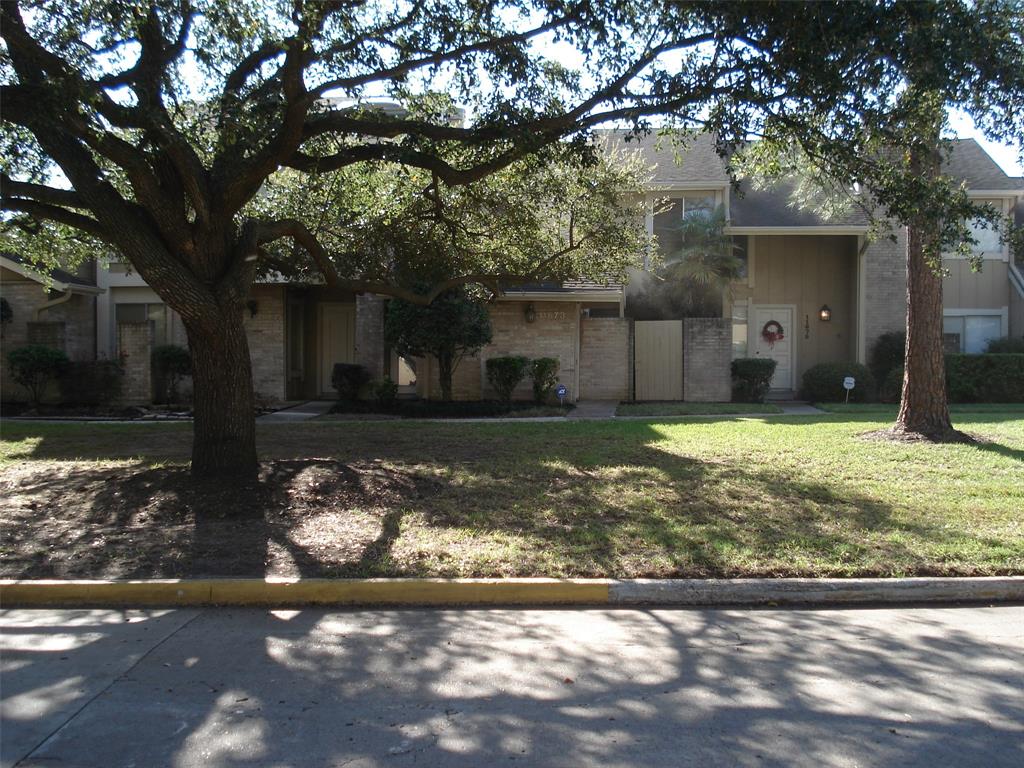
{"points": [[772, 332]]}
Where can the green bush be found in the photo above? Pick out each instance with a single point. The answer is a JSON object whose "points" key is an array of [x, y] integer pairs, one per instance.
{"points": [[1008, 345], [887, 353], [505, 373], [823, 383], [985, 378], [34, 367], [385, 391], [348, 379], [892, 387], [171, 364], [751, 378], [91, 382], [544, 371]]}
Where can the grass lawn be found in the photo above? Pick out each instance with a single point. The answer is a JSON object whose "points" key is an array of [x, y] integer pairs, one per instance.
{"points": [[773, 496], [692, 409]]}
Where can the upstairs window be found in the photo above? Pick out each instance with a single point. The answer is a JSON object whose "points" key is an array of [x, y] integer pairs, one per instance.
{"points": [[970, 333]]}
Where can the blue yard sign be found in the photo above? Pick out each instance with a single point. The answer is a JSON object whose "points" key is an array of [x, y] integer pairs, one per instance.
{"points": [[561, 390]]}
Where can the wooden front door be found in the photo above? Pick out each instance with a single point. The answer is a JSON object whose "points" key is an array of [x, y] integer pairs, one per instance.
{"points": [[337, 330], [782, 351]]}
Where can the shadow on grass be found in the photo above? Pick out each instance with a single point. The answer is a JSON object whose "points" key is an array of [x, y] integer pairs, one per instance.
{"points": [[403, 500]]}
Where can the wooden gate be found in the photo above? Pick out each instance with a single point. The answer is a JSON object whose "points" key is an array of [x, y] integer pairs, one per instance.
{"points": [[658, 360]]}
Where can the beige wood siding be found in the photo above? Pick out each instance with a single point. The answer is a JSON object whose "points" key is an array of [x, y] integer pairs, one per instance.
{"points": [[964, 289], [808, 271], [337, 340], [659, 359]]}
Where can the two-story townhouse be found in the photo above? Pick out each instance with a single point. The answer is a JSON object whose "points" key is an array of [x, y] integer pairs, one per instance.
{"points": [[829, 289]]}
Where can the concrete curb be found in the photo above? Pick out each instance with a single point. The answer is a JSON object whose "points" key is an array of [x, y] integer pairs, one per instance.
{"points": [[413, 592]]}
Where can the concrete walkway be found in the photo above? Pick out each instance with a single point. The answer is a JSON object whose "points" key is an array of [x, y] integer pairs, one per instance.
{"points": [[594, 409], [445, 688], [302, 412]]}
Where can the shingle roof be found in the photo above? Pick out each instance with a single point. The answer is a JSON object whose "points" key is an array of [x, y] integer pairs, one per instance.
{"points": [[59, 275], [691, 162], [772, 207], [969, 162]]}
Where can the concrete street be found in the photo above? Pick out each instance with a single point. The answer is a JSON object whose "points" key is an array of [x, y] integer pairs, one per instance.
{"points": [[911, 687]]}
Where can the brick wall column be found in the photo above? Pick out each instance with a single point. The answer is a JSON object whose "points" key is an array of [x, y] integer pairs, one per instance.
{"points": [[884, 287], [707, 359], [135, 344], [369, 345]]}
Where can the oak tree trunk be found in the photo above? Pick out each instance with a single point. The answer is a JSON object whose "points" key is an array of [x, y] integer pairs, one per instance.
{"points": [[224, 443]]}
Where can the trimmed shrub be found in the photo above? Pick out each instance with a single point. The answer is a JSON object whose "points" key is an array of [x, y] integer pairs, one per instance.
{"points": [[34, 367], [892, 387], [385, 391], [751, 379], [91, 382], [985, 378], [348, 379], [823, 383], [544, 371], [887, 353], [1008, 345], [505, 373], [171, 364]]}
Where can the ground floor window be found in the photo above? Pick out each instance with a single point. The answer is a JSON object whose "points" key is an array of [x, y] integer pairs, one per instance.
{"points": [[154, 314], [970, 333]]}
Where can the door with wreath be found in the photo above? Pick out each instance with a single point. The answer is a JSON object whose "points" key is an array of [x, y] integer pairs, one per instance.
{"points": [[772, 330]]}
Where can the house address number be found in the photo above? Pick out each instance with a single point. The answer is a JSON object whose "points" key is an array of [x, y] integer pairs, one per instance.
{"points": [[549, 315]]}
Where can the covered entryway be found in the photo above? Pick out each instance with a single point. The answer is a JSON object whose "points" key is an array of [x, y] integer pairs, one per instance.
{"points": [[336, 324], [779, 319], [658, 362]]}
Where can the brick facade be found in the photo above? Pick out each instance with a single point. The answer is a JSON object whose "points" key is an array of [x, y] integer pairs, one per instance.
{"points": [[70, 326], [885, 287], [707, 357], [553, 333], [135, 343], [606, 358], [266, 333]]}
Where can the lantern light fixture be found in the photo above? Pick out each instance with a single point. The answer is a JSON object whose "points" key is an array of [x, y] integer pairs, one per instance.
{"points": [[825, 314]]}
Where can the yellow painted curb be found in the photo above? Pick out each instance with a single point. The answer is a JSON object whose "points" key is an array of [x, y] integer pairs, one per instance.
{"points": [[305, 592]]}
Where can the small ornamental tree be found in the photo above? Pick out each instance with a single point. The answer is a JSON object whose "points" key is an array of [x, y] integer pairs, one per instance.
{"points": [[452, 326]]}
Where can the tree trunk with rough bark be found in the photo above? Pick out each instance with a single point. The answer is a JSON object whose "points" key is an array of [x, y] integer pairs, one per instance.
{"points": [[923, 408], [924, 413], [224, 443]]}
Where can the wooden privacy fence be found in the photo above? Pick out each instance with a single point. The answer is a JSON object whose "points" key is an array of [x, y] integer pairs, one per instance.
{"points": [[658, 361]]}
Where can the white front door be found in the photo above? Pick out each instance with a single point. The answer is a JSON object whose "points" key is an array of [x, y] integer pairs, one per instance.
{"points": [[782, 349], [337, 340]]}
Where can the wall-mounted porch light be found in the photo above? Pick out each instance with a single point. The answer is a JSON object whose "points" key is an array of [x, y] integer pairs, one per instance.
{"points": [[825, 314], [530, 313]]}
